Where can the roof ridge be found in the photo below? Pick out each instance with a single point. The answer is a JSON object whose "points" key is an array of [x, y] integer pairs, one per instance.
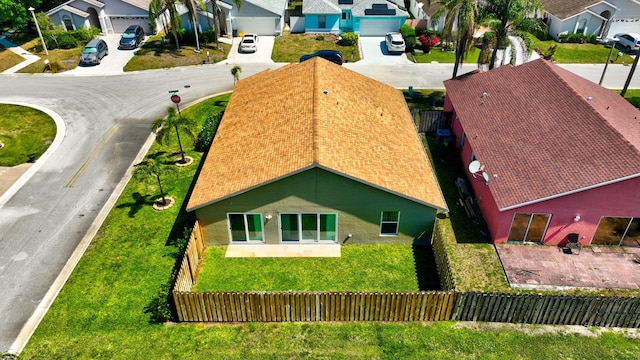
{"points": [[314, 120], [591, 107]]}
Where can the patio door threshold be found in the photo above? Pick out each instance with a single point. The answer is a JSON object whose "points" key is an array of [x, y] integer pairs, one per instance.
{"points": [[283, 250]]}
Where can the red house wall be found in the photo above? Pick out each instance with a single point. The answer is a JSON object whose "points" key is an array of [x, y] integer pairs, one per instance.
{"points": [[619, 199]]}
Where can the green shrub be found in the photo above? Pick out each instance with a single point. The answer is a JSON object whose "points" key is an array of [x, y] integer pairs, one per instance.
{"points": [[320, 37], [209, 36], [209, 128], [577, 38], [409, 35], [348, 39]]}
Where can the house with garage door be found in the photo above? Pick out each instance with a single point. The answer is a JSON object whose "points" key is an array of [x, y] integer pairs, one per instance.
{"points": [[364, 17], [262, 17], [549, 159], [314, 153], [600, 18], [110, 16]]}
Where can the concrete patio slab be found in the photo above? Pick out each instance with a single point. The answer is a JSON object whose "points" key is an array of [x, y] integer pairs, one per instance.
{"points": [[551, 267], [283, 250]]}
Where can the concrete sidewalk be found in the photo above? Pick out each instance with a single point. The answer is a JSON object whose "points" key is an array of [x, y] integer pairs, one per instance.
{"points": [[29, 58]]}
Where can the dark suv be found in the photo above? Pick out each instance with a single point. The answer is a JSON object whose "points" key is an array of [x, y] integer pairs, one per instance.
{"points": [[331, 55], [132, 37]]}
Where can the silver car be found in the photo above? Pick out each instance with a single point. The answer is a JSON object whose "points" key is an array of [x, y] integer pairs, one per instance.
{"points": [[630, 42], [395, 42], [249, 43], [94, 51]]}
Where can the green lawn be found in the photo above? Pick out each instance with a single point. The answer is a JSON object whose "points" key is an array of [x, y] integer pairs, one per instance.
{"points": [[8, 59], [156, 55], [580, 53], [289, 47], [436, 55], [360, 268], [24, 131]]}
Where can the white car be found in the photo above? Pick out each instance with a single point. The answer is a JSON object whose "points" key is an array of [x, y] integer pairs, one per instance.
{"points": [[630, 42], [249, 43], [395, 42]]}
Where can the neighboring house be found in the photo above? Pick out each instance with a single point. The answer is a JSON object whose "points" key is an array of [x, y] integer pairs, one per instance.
{"points": [[315, 153], [602, 18], [364, 17], [262, 17], [422, 10], [560, 154], [110, 16]]}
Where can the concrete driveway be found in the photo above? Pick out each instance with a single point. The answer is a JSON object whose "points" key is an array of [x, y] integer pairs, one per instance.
{"points": [[111, 64], [263, 55], [374, 51]]}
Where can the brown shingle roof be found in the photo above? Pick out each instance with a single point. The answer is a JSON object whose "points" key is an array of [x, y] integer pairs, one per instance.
{"points": [[563, 9], [316, 114], [537, 130]]}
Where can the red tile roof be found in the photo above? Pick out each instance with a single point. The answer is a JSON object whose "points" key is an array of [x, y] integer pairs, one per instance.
{"points": [[545, 131], [316, 114]]}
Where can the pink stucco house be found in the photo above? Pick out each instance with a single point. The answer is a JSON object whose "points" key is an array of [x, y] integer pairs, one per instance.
{"points": [[559, 155]]}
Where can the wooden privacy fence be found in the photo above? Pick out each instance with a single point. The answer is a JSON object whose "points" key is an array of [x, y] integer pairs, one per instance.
{"points": [[190, 265], [392, 306], [548, 309], [430, 120], [313, 306]]}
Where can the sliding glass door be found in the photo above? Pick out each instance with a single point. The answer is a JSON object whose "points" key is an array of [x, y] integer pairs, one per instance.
{"points": [[308, 227]]}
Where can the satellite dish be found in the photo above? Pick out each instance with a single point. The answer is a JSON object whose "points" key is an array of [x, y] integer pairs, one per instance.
{"points": [[474, 166], [485, 176]]}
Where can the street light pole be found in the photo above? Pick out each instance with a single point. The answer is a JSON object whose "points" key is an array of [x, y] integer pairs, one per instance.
{"points": [[613, 46], [39, 32]]}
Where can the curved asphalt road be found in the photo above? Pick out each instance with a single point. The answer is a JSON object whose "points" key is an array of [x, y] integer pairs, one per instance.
{"points": [[106, 123]]}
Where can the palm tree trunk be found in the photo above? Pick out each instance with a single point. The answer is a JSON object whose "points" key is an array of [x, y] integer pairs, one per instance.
{"points": [[180, 144], [164, 201]]}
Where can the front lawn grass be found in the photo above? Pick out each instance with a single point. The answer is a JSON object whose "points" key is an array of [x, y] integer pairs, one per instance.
{"points": [[100, 312], [289, 47], [448, 57], [24, 131], [8, 59], [632, 96], [155, 54], [424, 99], [580, 53], [359, 268]]}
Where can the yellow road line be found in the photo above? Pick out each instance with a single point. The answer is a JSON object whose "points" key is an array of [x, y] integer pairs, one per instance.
{"points": [[92, 156]]}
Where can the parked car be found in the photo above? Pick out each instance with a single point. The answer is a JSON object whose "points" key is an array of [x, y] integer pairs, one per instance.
{"points": [[249, 43], [331, 55], [132, 37], [395, 42], [94, 51], [630, 41]]}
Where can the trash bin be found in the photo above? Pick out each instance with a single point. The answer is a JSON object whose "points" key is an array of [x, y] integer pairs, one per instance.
{"points": [[235, 32]]}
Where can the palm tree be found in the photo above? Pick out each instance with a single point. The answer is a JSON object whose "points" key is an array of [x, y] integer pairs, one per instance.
{"points": [[216, 21], [162, 128], [460, 14], [158, 8], [507, 16], [235, 71], [154, 165], [192, 8]]}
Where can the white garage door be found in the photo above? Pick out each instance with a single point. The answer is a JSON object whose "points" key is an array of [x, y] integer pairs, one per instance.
{"points": [[377, 27], [121, 23], [256, 25]]}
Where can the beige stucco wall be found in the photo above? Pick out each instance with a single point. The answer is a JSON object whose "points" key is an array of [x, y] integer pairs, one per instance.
{"points": [[358, 207]]}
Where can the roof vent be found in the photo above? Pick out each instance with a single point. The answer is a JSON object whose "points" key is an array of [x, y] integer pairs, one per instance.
{"points": [[484, 95], [589, 98], [325, 91]]}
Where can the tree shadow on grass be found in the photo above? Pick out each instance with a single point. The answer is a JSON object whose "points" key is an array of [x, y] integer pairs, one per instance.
{"points": [[139, 201], [426, 271]]}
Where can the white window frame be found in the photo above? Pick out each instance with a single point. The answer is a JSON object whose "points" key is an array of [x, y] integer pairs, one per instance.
{"points": [[300, 230], [397, 222], [246, 228]]}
